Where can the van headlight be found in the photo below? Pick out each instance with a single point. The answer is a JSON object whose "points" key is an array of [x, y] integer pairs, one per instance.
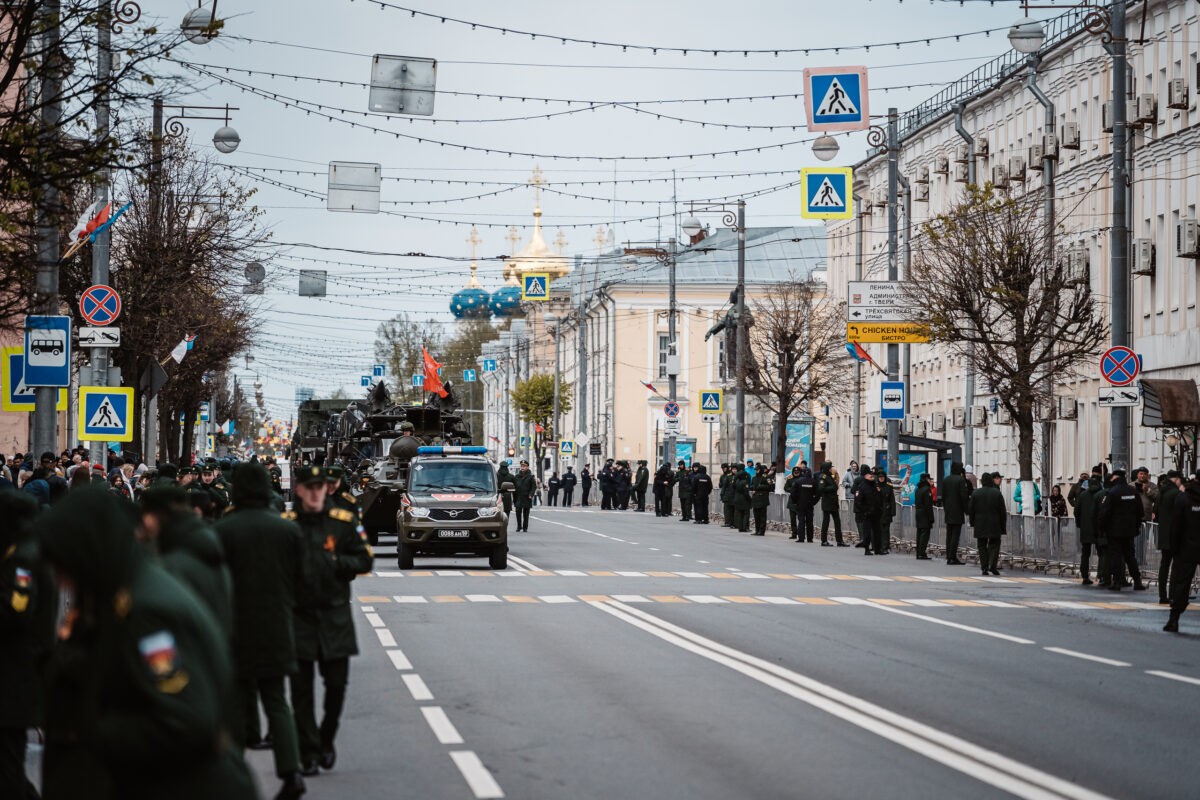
{"points": [[487, 512], [418, 512]]}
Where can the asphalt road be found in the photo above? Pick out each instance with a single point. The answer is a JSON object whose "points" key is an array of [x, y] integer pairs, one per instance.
{"points": [[626, 656]]}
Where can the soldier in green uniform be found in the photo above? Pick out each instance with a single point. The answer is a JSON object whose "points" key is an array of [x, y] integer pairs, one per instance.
{"points": [[640, 482], [263, 551], [741, 498], [340, 494], [140, 686], [683, 479], [334, 553], [187, 476], [276, 475], [760, 499], [214, 483], [988, 518], [523, 495], [27, 612]]}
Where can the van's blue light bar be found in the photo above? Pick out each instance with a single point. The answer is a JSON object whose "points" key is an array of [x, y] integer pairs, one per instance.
{"points": [[452, 450]]}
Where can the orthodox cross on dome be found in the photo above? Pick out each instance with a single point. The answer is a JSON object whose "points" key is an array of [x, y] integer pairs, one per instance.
{"points": [[600, 238], [514, 239], [474, 241], [560, 241], [537, 182]]}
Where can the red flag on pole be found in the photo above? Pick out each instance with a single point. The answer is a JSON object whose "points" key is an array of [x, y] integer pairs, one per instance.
{"points": [[433, 381]]}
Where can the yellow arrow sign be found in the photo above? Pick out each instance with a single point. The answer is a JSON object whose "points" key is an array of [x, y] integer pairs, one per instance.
{"points": [[887, 332]]}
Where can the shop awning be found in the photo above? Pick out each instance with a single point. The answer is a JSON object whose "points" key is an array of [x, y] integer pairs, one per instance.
{"points": [[1170, 403]]}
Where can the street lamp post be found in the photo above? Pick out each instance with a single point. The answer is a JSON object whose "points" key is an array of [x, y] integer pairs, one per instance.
{"points": [[552, 324], [692, 227]]}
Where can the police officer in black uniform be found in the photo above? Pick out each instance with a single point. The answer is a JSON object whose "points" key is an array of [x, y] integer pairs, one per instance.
{"points": [[1120, 512]]}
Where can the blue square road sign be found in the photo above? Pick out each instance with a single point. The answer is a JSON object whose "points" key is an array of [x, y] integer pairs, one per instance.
{"points": [[47, 351]]}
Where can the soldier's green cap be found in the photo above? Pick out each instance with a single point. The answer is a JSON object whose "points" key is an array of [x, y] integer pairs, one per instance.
{"points": [[334, 473], [309, 475], [209, 465]]}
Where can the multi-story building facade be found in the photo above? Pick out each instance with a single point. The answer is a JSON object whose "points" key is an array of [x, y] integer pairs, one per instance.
{"points": [[995, 108]]}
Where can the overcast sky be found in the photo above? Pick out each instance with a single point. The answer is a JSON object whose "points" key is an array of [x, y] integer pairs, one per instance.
{"points": [[327, 343]]}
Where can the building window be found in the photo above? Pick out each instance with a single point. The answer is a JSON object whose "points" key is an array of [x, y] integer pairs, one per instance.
{"points": [[721, 358], [664, 350]]}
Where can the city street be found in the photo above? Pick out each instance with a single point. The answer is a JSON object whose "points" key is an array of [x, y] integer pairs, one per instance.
{"points": [[623, 655]]}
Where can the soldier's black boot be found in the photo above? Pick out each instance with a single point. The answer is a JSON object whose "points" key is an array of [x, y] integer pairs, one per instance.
{"points": [[1172, 625], [293, 787]]}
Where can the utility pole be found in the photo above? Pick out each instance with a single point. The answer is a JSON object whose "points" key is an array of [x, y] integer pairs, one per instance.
{"points": [[100, 248], [893, 350], [969, 383], [150, 438], [1048, 220], [581, 370], [1119, 249], [673, 353], [45, 416], [743, 339], [856, 425]]}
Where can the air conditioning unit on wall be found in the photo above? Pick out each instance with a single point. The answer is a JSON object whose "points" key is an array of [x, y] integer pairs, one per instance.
{"points": [[1177, 94], [1075, 261], [1147, 108], [937, 421], [921, 192], [1187, 238], [1016, 168], [1037, 154], [1068, 137], [941, 165], [922, 175], [960, 173], [1142, 260], [958, 417], [978, 416], [1067, 408]]}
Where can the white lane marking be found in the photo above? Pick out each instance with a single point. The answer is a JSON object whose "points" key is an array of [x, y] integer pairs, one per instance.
{"points": [[484, 598], [446, 572], [630, 598], [676, 555], [634, 542], [732, 569], [656, 549], [932, 579], [929, 603], [1066, 604], [622, 541], [852, 601], [385, 637], [693, 575], [809, 577], [441, 725], [780, 601], [388, 574], [399, 660], [366, 609], [704, 598], [873, 577], [409, 598], [991, 579], [752, 575], [999, 604], [416, 687], [524, 564], [1053, 580], [375, 620], [632, 574], [1173, 677], [947, 623], [557, 598], [1087, 657], [951, 750], [703, 562], [482, 784], [570, 573], [511, 573]]}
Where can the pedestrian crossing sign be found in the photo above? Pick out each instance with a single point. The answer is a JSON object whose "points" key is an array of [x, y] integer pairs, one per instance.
{"points": [[535, 286], [105, 414], [566, 447], [712, 401], [524, 441], [15, 395], [827, 193], [835, 99]]}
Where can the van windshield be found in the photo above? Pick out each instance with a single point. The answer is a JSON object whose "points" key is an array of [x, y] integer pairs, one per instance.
{"points": [[429, 477]]}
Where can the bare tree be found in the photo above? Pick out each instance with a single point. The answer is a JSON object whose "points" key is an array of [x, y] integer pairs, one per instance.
{"points": [[797, 353], [398, 344], [985, 275]]}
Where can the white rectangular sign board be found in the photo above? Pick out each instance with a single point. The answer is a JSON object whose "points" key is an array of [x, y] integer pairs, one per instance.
{"points": [[1111, 396]]}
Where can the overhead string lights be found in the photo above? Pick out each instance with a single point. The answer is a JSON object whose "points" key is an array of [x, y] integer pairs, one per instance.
{"points": [[656, 49], [324, 112]]}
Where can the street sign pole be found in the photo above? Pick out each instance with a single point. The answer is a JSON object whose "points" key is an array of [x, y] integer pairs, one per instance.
{"points": [[893, 350], [100, 247], [672, 357]]}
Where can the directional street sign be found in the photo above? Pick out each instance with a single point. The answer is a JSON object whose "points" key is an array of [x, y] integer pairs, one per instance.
{"points": [[1111, 396], [891, 400], [835, 99], [879, 313], [364, 380], [418, 381], [1120, 366], [204, 411], [489, 365], [99, 337], [671, 409], [710, 419], [827, 192], [47, 351], [468, 376], [712, 401], [879, 301], [105, 414], [672, 425], [17, 395], [100, 304], [887, 332], [566, 447], [535, 286], [378, 370]]}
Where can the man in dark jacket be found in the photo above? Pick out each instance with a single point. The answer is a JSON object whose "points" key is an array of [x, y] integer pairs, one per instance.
{"points": [[793, 519], [761, 489], [864, 539], [989, 519], [1120, 513], [503, 476], [624, 485], [27, 614], [683, 480], [867, 508], [263, 551], [827, 488], [887, 511], [1185, 545], [725, 488], [141, 683], [956, 494], [568, 482], [553, 484], [641, 481], [525, 487], [607, 485], [923, 514], [740, 492], [664, 479], [702, 487], [1164, 514], [585, 484], [1089, 531], [334, 552], [804, 497]]}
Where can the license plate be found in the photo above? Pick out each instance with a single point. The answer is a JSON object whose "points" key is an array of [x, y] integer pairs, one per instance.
{"points": [[454, 534]]}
